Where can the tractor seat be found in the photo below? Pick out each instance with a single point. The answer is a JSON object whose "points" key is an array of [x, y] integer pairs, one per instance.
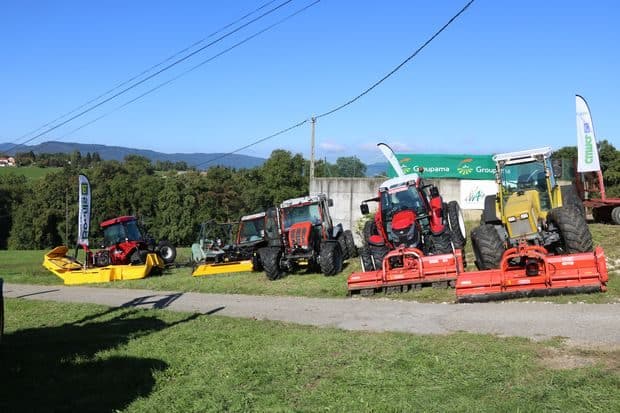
{"points": [[376, 241]]}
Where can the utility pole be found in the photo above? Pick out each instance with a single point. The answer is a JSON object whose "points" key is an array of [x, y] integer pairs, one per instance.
{"points": [[66, 217], [311, 155]]}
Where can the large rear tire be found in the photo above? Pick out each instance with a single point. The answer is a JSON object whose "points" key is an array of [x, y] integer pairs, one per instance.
{"points": [[330, 258], [270, 257], [574, 232], [1, 310], [488, 247], [343, 246], [615, 215], [570, 198], [456, 222], [351, 248], [167, 251]]}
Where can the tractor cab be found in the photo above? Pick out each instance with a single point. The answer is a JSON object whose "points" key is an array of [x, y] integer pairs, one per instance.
{"points": [[121, 229], [305, 221], [251, 229]]}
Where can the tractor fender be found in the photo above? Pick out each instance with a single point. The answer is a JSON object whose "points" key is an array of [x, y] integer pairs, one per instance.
{"points": [[337, 230]]}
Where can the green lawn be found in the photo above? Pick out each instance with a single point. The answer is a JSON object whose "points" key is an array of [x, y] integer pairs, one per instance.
{"points": [[31, 172], [25, 267], [77, 357]]}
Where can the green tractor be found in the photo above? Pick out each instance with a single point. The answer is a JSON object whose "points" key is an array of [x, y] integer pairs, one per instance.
{"points": [[530, 207]]}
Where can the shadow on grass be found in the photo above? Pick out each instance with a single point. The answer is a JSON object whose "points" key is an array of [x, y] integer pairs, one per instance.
{"points": [[59, 369]]}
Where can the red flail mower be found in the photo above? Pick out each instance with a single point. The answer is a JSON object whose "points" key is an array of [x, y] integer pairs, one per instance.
{"points": [[528, 270]]}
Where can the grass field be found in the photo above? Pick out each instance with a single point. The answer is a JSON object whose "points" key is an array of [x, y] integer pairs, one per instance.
{"points": [[25, 267], [74, 357], [31, 172]]}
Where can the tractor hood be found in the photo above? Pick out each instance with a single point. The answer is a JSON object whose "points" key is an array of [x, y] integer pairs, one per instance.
{"points": [[521, 214]]}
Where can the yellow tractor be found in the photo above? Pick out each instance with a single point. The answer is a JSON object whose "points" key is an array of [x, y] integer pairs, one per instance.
{"points": [[530, 208]]}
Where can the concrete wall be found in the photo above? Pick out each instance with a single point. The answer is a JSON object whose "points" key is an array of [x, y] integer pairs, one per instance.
{"points": [[348, 193]]}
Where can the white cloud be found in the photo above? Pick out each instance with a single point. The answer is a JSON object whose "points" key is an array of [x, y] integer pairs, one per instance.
{"points": [[328, 146]]}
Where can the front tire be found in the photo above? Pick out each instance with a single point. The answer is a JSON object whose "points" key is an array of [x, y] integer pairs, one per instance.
{"points": [[456, 222], [570, 198], [574, 232], [167, 251], [330, 258], [488, 247], [366, 259], [440, 243], [270, 257]]}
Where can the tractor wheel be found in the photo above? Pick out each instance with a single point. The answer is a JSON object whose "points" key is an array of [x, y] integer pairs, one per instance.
{"points": [[257, 265], [370, 228], [570, 198], [574, 232], [601, 214], [343, 246], [378, 253], [1, 311], [457, 225], [167, 251], [270, 257], [351, 248], [366, 259], [615, 215], [488, 247], [440, 243], [330, 258]]}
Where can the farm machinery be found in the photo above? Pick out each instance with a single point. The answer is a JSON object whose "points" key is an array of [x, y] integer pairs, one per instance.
{"points": [[211, 255], [125, 254], [301, 233], [533, 237], [414, 239]]}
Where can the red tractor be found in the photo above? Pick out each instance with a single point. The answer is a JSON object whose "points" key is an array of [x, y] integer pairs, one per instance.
{"points": [[410, 215], [124, 243], [415, 239], [301, 233]]}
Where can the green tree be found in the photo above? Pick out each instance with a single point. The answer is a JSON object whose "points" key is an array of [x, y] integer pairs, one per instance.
{"points": [[350, 166]]}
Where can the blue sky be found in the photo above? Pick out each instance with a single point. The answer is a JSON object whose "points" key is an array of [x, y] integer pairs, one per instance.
{"points": [[501, 78]]}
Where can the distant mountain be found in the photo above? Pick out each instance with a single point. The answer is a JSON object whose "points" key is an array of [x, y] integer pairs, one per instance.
{"points": [[377, 169], [118, 153]]}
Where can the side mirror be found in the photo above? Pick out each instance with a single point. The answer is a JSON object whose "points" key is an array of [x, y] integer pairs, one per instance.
{"points": [[330, 202], [364, 209]]}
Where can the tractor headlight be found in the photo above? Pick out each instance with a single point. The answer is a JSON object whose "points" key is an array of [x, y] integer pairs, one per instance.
{"points": [[524, 215], [512, 219]]}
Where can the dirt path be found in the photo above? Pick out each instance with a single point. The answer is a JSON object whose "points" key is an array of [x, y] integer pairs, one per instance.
{"points": [[580, 324]]}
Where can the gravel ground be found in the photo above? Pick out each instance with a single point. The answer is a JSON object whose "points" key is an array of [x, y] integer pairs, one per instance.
{"points": [[580, 324]]}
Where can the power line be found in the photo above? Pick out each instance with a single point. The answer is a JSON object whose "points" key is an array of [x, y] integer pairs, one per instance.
{"points": [[155, 66], [349, 102], [397, 68], [191, 69], [176, 62]]}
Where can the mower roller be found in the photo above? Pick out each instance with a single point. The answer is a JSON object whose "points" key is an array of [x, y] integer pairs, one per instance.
{"points": [[527, 270], [73, 272], [413, 269]]}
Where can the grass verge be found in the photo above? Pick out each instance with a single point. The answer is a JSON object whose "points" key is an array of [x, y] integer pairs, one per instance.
{"points": [[25, 267], [77, 357]]}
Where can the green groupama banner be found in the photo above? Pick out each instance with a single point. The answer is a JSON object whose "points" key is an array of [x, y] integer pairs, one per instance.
{"points": [[447, 166]]}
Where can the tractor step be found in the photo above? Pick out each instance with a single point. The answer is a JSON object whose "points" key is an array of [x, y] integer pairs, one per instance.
{"points": [[530, 270], [407, 269]]}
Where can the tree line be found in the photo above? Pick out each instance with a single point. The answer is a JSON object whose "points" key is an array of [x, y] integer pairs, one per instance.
{"points": [[42, 213]]}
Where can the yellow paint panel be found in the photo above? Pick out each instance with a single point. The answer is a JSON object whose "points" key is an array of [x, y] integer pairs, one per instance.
{"points": [[222, 268]]}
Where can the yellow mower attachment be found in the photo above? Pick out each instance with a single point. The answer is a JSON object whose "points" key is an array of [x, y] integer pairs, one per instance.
{"points": [[73, 272], [222, 268]]}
